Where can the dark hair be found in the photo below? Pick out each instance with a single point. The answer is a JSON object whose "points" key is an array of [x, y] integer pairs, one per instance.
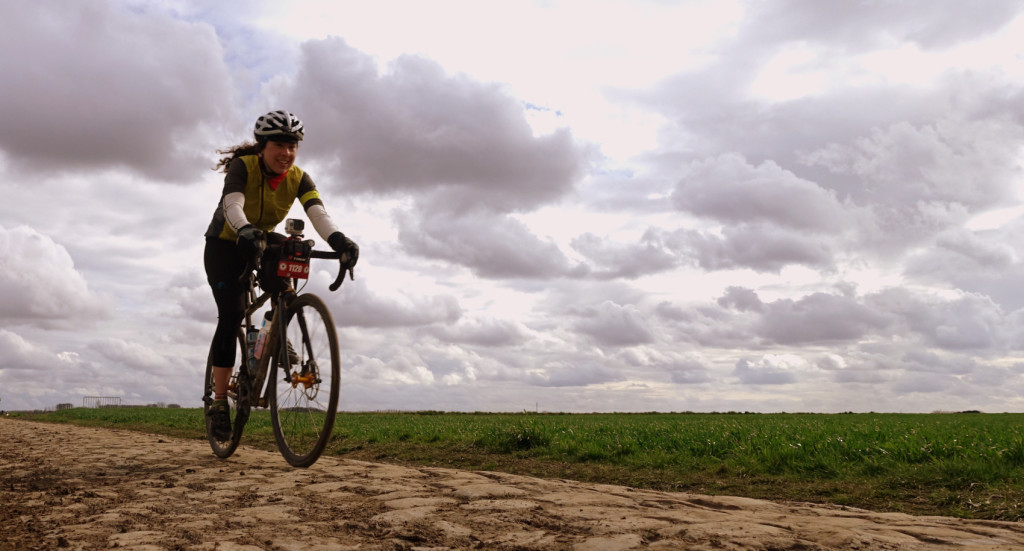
{"points": [[232, 153]]}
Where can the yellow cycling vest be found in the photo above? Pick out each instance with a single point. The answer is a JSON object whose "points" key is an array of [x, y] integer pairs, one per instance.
{"points": [[265, 208]]}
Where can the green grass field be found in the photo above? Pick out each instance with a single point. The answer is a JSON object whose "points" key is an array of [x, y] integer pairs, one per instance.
{"points": [[965, 465]]}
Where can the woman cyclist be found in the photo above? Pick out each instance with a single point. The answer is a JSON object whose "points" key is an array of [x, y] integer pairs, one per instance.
{"points": [[261, 183]]}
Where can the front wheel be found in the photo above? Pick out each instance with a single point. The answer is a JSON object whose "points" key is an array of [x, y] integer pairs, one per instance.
{"points": [[238, 408], [304, 382]]}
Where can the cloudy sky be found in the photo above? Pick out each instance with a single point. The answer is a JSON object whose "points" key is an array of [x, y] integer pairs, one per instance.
{"points": [[571, 206]]}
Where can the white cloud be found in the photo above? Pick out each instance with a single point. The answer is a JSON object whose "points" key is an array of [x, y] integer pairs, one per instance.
{"points": [[722, 206], [364, 307], [613, 260], [134, 355], [611, 324], [768, 370], [418, 130], [964, 321], [100, 86], [39, 282], [19, 354], [482, 332], [492, 245], [730, 190], [970, 163], [819, 318]]}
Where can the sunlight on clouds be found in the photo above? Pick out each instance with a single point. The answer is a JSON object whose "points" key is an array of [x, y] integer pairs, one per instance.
{"points": [[691, 285], [906, 64], [1000, 51], [783, 361], [564, 222], [909, 65], [545, 53], [994, 219], [623, 44], [621, 131], [723, 205], [800, 70], [790, 75], [871, 279]]}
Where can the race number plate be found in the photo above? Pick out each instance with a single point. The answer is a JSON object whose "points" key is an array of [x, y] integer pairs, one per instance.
{"points": [[293, 269]]}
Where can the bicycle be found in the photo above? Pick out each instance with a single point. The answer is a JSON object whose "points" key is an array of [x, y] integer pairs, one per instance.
{"points": [[298, 383]]}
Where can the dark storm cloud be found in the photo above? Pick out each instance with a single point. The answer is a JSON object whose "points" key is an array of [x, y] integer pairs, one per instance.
{"points": [[92, 86]]}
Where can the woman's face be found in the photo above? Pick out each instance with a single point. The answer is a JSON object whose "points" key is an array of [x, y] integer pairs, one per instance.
{"points": [[279, 156]]}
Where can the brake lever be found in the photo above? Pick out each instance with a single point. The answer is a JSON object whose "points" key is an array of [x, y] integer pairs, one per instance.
{"points": [[250, 267], [345, 267]]}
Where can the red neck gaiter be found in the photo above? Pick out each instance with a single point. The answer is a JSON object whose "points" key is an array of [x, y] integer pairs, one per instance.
{"points": [[276, 181]]}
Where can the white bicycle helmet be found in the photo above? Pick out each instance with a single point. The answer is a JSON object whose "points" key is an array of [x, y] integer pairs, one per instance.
{"points": [[279, 126]]}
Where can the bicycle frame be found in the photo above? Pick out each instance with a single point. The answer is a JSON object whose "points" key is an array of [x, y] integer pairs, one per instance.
{"points": [[257, 375], [276, 337], [299, 384]]}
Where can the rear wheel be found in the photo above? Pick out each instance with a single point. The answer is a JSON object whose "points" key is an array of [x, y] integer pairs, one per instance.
{"points": [[239, 412], [304, 382]]}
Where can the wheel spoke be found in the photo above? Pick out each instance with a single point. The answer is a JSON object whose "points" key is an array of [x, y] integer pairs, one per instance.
{"points": [[306, 394]]}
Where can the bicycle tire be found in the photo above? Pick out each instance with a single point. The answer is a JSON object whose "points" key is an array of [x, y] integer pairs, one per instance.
{"points": [[239, 412], [304, 396]]}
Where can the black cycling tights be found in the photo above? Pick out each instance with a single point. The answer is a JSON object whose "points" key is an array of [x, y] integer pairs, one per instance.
{"points": [[224, 265]]}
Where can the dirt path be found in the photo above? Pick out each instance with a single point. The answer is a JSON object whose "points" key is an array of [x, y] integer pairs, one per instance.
{"points": [[66, 487]]}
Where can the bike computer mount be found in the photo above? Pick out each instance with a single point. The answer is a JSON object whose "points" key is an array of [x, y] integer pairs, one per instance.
{"points": [[294, 261]]}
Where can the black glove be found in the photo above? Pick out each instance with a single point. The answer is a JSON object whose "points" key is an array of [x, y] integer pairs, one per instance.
{"points": [[251, 242], [344, 245]]}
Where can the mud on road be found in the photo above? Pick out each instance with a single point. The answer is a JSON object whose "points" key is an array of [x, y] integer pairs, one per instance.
{"points": [[68, 487]]}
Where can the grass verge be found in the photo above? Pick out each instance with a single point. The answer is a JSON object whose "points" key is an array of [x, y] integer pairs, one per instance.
{"points": [[962, 465]]}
